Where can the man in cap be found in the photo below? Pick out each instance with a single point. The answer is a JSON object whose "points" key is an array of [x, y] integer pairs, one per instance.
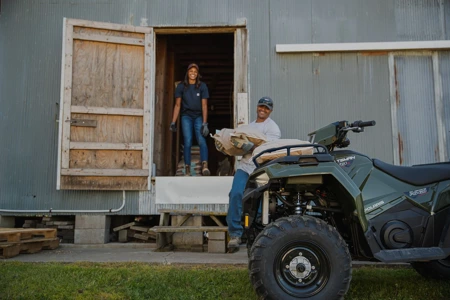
{"points": [[272, 132], [191, 97]]}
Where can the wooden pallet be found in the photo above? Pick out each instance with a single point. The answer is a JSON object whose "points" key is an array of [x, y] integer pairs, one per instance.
{"points": [[14, 241], [18, 234]]}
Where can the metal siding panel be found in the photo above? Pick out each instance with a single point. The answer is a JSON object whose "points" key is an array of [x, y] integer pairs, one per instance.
{"points": [[416, 112], [418, 20], [354, 87], [260, 50], [294, 108], [444, 67], [207, 12], [352, 21], [290, 74]]}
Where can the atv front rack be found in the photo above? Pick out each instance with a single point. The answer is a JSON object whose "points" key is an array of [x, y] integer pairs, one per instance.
{"points": [[318, 149]]}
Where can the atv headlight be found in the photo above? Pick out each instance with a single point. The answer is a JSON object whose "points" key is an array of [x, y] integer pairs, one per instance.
{"points": [[262, 179]]}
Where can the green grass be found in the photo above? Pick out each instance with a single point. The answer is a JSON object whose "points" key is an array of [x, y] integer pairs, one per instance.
{"points": [[144, 281]]}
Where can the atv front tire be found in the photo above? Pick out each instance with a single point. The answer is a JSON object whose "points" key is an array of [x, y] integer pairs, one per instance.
{"points": [[300, 257], [435, 269]]}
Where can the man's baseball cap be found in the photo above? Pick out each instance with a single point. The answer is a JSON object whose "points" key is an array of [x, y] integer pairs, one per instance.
{"points": [[193, 66], [266, 101]]}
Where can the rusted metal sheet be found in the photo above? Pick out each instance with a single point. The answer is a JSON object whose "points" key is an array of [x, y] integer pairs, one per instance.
{"points": [[415, 109]]}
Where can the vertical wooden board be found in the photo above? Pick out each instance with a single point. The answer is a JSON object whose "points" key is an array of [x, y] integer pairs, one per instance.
{"points": [[67, 96], [110, 128], [105, 159], [149, 101], [160, 123], [107, 75], [240, 75], [169, 99]]}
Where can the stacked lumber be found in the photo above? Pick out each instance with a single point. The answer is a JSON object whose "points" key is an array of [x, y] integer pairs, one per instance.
{"points": [[14, 241], [63, 225], [135, 231]]}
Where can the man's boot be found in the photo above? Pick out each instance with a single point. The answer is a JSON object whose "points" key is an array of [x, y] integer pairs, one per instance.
{"points": [[187, 170], [205, 170]]}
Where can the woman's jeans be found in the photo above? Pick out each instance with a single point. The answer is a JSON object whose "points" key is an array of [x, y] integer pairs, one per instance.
{"points": [[189, 125], [235, 228]]}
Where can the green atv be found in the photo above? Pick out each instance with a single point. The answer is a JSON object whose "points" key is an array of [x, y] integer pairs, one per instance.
{"points": [[307, 217]]}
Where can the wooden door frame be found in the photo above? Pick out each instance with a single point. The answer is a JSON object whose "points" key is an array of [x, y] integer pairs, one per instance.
{"points": [[240, 86]]}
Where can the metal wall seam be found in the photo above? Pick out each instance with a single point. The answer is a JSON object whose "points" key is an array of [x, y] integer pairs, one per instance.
{"points": [[392, 90], [439, 105]]}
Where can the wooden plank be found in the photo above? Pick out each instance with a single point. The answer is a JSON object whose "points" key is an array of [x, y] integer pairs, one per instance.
{"points": [[140, 228], [103, 183], [66, 95], [194, 29], [144, 236], [107, 75], [107, 110], [103, 25], [124, 226], [105, 159], [149, 102], [17, 234], [110, 129], [8, 251], [161, 229], [105, 146], [104, 172], [108, 39], [161, 132]]}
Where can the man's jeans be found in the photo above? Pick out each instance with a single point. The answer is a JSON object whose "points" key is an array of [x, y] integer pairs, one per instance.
{"points": [[235, 228], [189, 125]]}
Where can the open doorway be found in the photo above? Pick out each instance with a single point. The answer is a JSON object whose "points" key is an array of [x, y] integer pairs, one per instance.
{"points": [[214, 54]]}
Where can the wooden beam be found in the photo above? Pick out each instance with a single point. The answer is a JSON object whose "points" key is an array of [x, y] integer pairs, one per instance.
{"points": [[106, 146], [108, 39], [107, 110], [108, 26], [104, 172]]}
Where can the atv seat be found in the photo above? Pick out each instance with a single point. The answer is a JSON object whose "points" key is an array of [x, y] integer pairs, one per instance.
{"points": [[418, 174]]}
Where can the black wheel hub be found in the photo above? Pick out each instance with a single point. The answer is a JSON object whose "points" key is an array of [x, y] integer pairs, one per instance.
{"points": [[302, 269]]}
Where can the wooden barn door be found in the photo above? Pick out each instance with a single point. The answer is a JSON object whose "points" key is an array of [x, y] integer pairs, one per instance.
{"points": [[106, 109]]}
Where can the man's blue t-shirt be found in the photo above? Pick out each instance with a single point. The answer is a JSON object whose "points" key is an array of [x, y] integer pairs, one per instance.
{"points": [[191, 98]]}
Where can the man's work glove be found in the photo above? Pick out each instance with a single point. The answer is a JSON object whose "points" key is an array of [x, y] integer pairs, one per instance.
{"points": [[173, 128], [204, 131]]}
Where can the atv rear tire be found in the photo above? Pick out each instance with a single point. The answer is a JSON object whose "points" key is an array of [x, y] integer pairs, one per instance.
{"points": [[435, 269], [300, 257]]}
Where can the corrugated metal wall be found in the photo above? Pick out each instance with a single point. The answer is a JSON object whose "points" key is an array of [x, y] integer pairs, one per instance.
{"points": [[309, 91]]}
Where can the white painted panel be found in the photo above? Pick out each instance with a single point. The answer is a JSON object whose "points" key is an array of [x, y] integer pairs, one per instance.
{"points": [[192, 190]]}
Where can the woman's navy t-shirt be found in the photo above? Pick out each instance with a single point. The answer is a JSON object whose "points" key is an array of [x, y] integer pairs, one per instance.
{"points": [[191, 98]]}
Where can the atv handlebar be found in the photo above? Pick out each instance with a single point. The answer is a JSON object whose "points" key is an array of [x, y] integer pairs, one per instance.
{"points": [[363, 123]]}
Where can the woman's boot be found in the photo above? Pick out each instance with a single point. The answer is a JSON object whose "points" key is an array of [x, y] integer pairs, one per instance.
{"points": [[205, 170], [187, 170]]}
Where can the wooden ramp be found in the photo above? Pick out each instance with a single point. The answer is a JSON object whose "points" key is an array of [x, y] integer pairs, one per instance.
{"points": [[14, 241]]}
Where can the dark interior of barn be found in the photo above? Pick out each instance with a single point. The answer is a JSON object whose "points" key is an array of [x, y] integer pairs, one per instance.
{"points": [[214, 54]]}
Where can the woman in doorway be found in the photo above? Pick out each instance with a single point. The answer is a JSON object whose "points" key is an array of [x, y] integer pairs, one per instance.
{"points": [[191, 98]]}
